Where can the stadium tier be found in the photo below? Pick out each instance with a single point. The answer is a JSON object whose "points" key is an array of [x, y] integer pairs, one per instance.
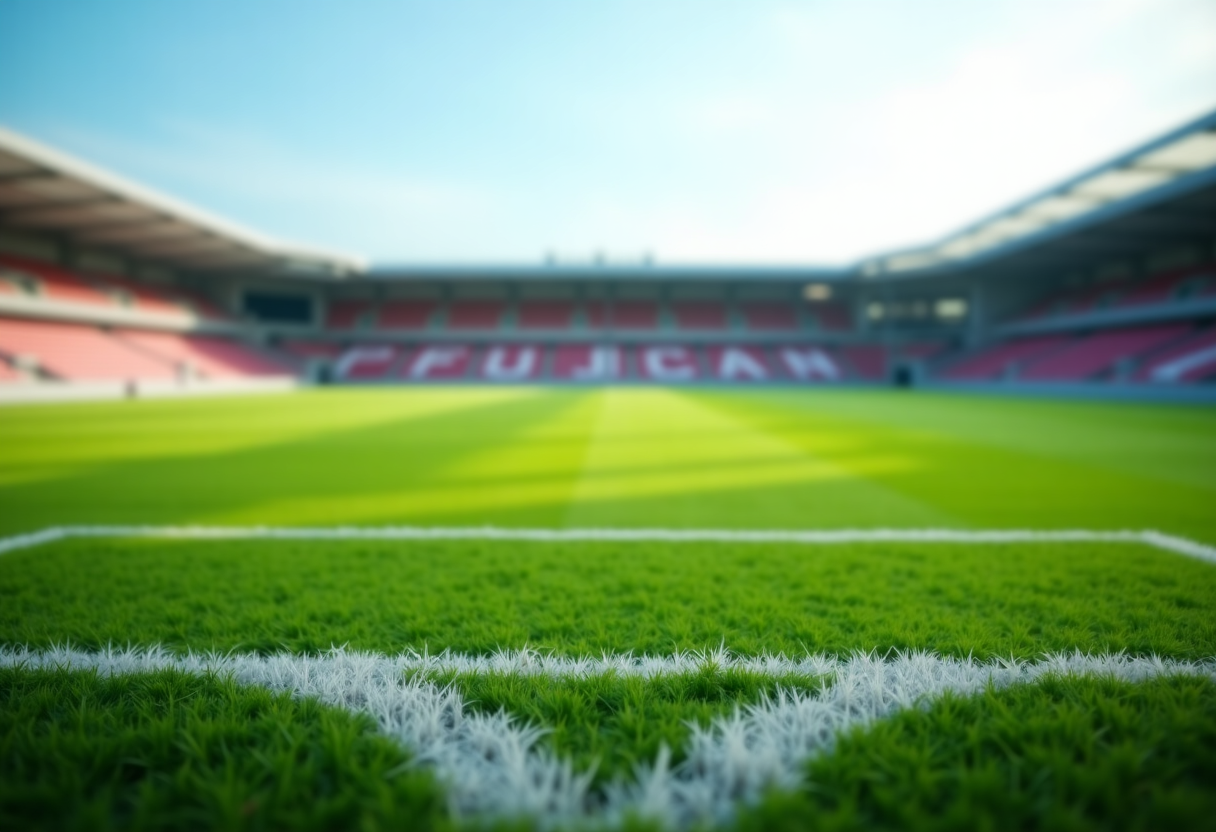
{"points": [[1085, 303]]}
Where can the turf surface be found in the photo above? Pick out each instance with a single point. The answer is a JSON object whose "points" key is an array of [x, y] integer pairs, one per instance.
{"points": [[551, 458], [620, 458]]}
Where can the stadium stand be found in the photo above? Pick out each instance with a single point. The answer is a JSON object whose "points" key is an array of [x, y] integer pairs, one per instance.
{"points": [[1099, 353], [1190, 361], [53, 282], [510, 362], [1002, 360], [484, 314], [699, 315], [206, 356], [766, 317], [405, 314], [866, 362], [350, 314], [588, 362], [366, 361], [304, 350], [666, 363], [832, 317], [739, 363], [545, 315], [77, 352], [798, 362], [438, 362]]}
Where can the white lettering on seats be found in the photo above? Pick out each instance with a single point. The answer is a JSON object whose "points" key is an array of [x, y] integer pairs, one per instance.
{"points": [[809, 363]]}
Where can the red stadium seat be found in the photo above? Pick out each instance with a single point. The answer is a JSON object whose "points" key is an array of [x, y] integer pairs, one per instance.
{"points": [[1192, 360], [208, 355], [770, 316], [667, 363], [1098, 353], [438, 361], [588, 362], [348, 314], [739, 363], [366, 361], [699, 315], [997, 360], [545, 315], [405, 314], [511, 362], [803, 363], [484, 314]]}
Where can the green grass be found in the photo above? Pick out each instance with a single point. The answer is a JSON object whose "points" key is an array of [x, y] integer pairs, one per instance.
{"points": [[1067, 754], [1058, 755], [169, 750], [533, 457], [586, 598]]}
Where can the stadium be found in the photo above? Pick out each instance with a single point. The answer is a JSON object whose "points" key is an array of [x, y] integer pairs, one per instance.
{"points": [[291, 540]]}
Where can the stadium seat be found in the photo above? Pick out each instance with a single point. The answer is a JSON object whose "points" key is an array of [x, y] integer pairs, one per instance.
{"points": [[510, 362], [998, 360], [405, 314], [1099, 353], [701, 315], [805, 363], [485, 314], [350, 314], [9, 373], [588, 362], [1176, 284], [545, 315], [1192, 360], [623, 314], [867, 362], [666, 363], [438, 362], [78, 352], [55, 283], [366, 361], [770, 316], [311, 349], [832, 317], [207, 355], [739, 363], [141, 297]]}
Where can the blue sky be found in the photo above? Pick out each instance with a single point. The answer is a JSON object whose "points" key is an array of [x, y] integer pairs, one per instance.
{"points": [[703, 132]]}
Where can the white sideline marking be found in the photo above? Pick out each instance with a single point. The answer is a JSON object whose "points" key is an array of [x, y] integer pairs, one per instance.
{"points": [[1159, 540], [492, 765]]}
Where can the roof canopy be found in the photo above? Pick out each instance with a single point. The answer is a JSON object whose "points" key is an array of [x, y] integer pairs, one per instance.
{"points": [[44, 191]]}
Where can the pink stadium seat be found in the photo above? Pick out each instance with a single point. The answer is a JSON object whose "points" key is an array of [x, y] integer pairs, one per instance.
{"points": [[867, 361], [770, 316], [992, 361], [801, 362], [699, 315], [511, 362], [1088, 357], [545, 315], [438, 361], [9, 373], [209, 355], [666, 362], [78, 352], [346, 314], [588, 362], [366, 361], [406, 314], [1192, 360], [57, 283], [739, 363], [479, 314], [144, 298]]}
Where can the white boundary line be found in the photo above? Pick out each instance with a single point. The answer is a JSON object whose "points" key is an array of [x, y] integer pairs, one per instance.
{"points": [[1149, 537], [492, 765]]}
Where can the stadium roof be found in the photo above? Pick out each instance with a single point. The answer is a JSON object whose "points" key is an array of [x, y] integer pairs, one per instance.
{"points": [[45, 191], [1158, 194]]}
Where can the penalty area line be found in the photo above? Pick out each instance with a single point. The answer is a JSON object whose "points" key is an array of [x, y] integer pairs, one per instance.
{"points": [[1149, 537]]}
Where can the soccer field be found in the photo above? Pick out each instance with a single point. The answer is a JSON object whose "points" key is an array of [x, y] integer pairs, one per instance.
{"points": [[628, 607]]}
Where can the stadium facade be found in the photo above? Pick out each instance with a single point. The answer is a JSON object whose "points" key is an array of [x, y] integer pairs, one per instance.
{"points": [[1103, 285]]}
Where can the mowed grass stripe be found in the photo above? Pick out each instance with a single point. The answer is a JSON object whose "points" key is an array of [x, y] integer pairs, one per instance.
{"points": [[612, 458], [579, 598]]}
